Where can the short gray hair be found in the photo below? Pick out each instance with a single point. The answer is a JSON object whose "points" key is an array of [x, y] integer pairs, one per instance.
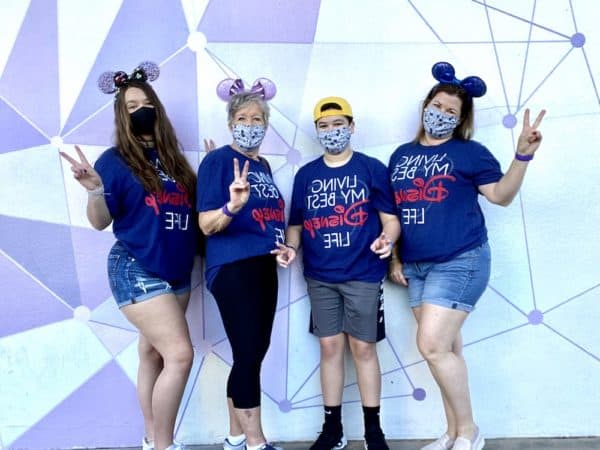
{"points": [[239, 101]]}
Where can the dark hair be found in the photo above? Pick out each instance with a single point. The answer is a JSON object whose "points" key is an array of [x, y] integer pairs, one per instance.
{"points": [[328, 106], [165, 141], [465, 128]]}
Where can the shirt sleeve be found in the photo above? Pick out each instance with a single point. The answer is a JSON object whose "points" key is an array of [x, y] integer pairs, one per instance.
{"points": [[486, 168], [212, 188], [381, 189]]}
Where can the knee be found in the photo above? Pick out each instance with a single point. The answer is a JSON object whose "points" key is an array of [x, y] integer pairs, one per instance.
{"points": [[181, 356], [363, 351], [331, 348], [431, 348], [149, 354]]}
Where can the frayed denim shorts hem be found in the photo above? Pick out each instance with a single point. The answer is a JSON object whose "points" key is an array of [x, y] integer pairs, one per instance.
{"points": [[455, 284], [130, 283]]}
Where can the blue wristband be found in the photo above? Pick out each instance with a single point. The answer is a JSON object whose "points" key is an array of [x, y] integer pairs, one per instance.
{"points": [[520, 157], [225, 211]]}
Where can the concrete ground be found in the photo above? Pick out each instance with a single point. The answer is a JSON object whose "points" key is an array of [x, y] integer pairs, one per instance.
{"points": [[592, 443]]}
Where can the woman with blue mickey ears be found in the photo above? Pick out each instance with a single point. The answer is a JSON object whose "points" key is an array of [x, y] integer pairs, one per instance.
{"points": [[145, 187], [242, 213], [443, 255]]}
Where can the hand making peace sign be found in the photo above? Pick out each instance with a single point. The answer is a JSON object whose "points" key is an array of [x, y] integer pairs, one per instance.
{"points": [[83, 170], [530, 138], [239, 189]]}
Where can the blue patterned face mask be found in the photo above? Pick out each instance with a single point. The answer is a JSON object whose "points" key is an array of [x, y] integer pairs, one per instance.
{"points": [[437, 124], [336, 140], [248, 137]]}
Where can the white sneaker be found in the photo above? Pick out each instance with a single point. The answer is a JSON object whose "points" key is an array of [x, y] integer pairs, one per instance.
{"points": [[462, 443], [147, 445], [176, 446], [229, 446], [442, 443]]}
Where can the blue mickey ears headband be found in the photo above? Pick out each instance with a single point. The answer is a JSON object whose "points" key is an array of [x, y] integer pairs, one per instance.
{"points": [[111, 82], [444, 73]]}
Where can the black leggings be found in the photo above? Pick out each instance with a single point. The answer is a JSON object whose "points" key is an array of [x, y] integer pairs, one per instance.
{"points": [[246, 294]]}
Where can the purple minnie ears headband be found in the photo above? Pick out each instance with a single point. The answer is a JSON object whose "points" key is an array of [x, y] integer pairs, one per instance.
{"points": [[444, 73], [111, 82], [230, 87]]}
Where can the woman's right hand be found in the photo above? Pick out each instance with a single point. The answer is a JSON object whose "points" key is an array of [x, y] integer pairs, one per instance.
{"points": [[239, 189], [83, 170], [396, 274]]}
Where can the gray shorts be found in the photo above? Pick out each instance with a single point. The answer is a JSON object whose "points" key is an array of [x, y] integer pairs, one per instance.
{"points": [[353, 307]]}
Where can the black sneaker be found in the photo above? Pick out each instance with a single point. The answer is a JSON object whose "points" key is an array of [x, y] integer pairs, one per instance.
{"points": [[330, 440], [375, 440]]}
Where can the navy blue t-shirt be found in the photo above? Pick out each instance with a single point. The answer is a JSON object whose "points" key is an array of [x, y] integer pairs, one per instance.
{"points": [[258, 225], [158, 229], [338, 210], [436, 193]]}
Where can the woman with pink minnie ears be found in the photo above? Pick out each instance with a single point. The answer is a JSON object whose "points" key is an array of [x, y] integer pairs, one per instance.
{"points": [[443, 256]]}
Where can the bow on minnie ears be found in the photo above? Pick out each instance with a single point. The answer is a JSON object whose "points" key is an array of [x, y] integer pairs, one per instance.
{"points": [[111, 82], [444, 73], [230, 87]]}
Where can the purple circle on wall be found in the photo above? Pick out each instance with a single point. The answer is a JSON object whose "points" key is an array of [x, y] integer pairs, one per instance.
{"points": [[535, 317], [577, 40], [419, 394], [509, 121], [285, 406]]}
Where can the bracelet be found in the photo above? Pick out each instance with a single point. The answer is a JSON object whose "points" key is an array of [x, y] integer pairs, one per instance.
{"points": [[520, 157], [226, 211], [96, 192], [290, 246]]}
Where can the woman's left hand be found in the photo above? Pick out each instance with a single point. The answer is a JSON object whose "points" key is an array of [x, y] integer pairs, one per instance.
{"points": [[530, 138], [382, 246]]}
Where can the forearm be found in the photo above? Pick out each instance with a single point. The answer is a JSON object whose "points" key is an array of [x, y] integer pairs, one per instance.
{"points": [[391, 227], [97, 212], [216, 220], [507, 188], [293, 236]]}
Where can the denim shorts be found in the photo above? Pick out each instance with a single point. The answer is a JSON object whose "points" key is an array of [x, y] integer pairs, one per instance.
{"points": [[131, 283], [456, 284]]}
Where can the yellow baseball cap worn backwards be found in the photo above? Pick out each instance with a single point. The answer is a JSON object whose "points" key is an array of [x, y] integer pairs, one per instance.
{"points": [[345, 109]]}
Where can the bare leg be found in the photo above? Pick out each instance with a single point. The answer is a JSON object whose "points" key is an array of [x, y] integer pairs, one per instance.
{"points": [[332, 368], [161, 321], [150, 366], [249, 420], [367, 370], [451, 430], [235, 427], [439, 329]]}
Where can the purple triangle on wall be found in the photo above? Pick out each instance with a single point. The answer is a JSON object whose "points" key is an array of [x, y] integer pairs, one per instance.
{"points": [[26, 304], [103, 412], [21, 134], [270, 21], [32, 69], [164, 31], [45, 251]]}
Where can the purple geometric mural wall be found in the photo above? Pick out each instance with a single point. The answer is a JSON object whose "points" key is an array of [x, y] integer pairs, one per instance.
{"points": [[68, 357]]}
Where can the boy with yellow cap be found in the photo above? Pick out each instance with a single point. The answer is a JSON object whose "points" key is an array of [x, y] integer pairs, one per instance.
{"points": [[343, 213]]}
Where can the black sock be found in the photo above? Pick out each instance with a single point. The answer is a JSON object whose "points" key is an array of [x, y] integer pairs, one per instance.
{"points": [[371, 415], [333, 417]]}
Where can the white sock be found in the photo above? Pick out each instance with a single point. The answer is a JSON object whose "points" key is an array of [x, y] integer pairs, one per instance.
{"points": [[236, 440], [255, 447]]}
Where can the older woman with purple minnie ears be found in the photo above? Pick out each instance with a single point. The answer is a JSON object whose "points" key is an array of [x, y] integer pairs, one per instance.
{"points": [[241, 211], [145, 187], [443, 254]]}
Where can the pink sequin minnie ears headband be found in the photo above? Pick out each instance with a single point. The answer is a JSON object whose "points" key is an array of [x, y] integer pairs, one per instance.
{"points": [[230, 87], [111, 82], [444, 73]]}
